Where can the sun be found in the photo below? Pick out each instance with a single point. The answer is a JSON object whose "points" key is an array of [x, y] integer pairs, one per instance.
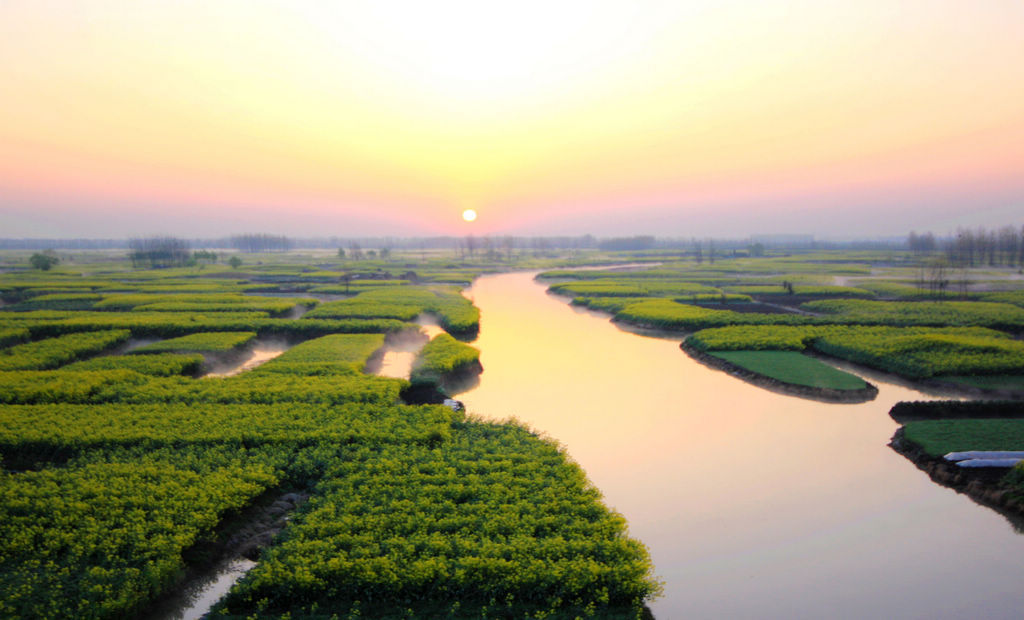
{"points": [[469, 215]]}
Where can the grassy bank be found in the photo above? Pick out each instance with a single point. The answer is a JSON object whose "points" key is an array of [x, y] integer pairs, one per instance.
{"points": [[794, 368]]}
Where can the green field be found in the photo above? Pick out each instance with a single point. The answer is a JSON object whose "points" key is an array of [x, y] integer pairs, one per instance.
{"points": [[442, 356], [120, 472], [792, 367], [938, 437], [216, 342]]}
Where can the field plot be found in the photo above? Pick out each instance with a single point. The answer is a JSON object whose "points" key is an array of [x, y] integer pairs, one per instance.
{"points": [[794, 368], [441, 357], [216, 342], [492, 523], [121, 471]]}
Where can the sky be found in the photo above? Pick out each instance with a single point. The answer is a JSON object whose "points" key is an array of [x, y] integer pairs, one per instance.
{"points": [[725, 118]]}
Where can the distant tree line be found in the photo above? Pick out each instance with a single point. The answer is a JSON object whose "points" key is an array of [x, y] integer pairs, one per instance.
{"points": [[619, 244], [261, 243], [974, 247], [158, 252]]}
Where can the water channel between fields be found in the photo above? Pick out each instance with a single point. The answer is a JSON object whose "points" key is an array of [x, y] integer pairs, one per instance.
{"points": [[753, 504]]}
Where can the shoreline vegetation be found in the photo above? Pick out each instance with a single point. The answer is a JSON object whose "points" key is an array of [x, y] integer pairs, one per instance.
{"points": [[932, 429], [826, 394], [742, 309]]}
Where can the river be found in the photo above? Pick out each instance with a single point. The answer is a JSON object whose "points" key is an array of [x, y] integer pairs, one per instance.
{"points": [[753, 504]]}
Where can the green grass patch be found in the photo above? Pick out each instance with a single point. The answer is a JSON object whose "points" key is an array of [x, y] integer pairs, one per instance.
{"points": [[938, 437], [793, 367]]}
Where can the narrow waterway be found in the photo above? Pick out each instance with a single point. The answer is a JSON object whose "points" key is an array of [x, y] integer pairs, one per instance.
{"points": [[400, 350], [261, 353], [753, 504]]}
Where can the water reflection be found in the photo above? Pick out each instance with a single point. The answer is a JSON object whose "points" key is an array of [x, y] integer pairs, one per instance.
{"points": [[195, 601], [753, 504]]}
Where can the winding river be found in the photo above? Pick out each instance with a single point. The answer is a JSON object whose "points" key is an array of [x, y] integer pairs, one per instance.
{"points": [[753, 504]]}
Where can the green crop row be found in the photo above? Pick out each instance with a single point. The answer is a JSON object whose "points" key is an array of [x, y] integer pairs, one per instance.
{"points": [[807, 290], [899, 290], [639, 287], [1006, 297], [63, 386], [160, 365], [493, 523], [13, 335], [130, 301], [69, 297], [945, 313], [55, 352], [669, 314], [257, 388], [122, 385], [203, 342], [100, 540], [455, 313], [597, 274], [441, 356], [927, 355], [914, 352], [34, 432], [171, 324], [606, 304], [360, 307], [327, 355]]}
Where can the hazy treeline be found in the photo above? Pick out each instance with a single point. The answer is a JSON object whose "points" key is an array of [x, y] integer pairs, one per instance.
{"points": [[261, 243], [967, 247], [974, 247], [158, 252]]}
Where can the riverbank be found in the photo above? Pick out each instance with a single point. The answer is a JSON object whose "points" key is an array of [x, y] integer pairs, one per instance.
{"points": [[983, 485], [829, 395]]}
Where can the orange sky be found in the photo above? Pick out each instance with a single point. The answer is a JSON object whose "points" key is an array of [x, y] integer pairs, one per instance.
{"points": [[674, 118]]}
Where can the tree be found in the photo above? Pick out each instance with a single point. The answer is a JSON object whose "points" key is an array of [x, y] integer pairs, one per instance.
{"points": [[938, 280], [44, 261], [156, 252], [385, 252], [235, 262], [261, 243], [341, 253]]}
